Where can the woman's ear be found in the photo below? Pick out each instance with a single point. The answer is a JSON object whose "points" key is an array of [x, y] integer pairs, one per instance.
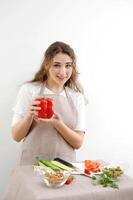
{"points": [[46, 67]]}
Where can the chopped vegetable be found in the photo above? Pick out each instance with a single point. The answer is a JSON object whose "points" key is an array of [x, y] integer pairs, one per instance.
{"points": [[92, 166], [108, 177], [69, 180], [54, 178], [113, 172]]}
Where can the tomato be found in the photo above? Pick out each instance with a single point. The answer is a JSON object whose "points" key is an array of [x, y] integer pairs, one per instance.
{"points": [[91, 166], [69, 180], [46, 105], [87, 171], [87, 163], [95, 170]]}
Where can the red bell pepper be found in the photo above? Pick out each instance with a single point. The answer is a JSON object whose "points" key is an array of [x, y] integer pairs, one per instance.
{"points": [[46, 105]]}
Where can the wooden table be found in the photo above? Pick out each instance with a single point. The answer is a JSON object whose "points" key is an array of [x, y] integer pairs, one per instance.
{"points": [[26, 185]]}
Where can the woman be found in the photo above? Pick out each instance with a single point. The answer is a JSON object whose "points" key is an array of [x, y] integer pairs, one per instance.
{"points": [[60, 135]]}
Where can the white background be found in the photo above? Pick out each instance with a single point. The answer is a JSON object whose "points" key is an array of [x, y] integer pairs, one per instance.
{"points": [[101, 33]]}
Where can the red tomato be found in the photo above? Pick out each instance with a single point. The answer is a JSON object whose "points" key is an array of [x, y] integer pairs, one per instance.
{"points": [[95, 170], [69, 180], [87, 163], [87, 171], [91, 166]]}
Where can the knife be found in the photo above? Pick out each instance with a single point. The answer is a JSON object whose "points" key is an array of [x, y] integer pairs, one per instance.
{"points": [[72, 166]]}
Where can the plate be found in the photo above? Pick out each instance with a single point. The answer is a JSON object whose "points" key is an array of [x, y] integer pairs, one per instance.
{"points": [[81, 166]]}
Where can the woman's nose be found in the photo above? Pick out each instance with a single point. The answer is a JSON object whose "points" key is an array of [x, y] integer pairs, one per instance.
{"points": [[62, 70]]}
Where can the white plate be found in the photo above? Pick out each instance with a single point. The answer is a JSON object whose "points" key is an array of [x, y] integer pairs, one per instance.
{"points": [[80, 165]]}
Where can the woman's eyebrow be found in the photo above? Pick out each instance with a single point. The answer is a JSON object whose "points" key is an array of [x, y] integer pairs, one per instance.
{"points": [[60, 62], [57, 62], [68, 62]]}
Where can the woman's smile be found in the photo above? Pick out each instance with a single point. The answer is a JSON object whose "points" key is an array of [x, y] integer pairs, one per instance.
{"points": [[62, 77]]}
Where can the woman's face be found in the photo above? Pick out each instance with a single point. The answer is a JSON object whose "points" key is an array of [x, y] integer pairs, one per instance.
{"points": [[60, 69]]}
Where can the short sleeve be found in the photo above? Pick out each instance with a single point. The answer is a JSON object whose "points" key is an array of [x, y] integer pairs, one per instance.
{"points": [[23, 101], [80, 106]]}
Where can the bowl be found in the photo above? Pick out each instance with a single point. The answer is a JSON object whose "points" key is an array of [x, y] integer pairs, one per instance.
{"points": [[123, 165], [55, 178]]}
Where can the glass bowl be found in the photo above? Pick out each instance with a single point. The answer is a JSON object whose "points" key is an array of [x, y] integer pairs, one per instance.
{"points": [[55, 179]]}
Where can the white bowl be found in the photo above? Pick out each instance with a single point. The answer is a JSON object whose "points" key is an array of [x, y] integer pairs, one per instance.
{"points": [[55, 179]]}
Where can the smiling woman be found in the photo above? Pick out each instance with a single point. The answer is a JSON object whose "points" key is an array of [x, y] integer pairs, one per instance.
{"points": [[63, 132], [61, 70]]}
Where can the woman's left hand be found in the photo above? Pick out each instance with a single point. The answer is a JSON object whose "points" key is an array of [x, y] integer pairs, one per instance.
{"points": [[53, 120]]}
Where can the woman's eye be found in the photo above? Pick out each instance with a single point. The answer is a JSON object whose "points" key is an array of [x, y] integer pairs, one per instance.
{"points": [[56, 65], [68, 66]]}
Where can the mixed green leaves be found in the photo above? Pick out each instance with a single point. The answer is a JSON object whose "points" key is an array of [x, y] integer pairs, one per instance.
{"points": [[108, 177], [105, 181]]}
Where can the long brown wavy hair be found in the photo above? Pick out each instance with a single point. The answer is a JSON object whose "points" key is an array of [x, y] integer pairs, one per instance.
{"points": [[52, 50]]}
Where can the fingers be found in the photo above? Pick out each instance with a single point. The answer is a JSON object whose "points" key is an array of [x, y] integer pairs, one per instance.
{"points": [[35, 102], [34, 113], [34, 108]]}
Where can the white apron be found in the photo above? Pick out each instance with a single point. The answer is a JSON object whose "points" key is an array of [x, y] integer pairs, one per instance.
{"points": [[44, 141]]}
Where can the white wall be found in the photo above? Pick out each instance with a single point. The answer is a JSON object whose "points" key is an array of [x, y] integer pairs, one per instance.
{"points": [[101, 34]]}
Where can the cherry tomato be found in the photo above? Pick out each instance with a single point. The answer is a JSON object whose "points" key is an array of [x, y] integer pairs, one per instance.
{"points": [[69, 180]]}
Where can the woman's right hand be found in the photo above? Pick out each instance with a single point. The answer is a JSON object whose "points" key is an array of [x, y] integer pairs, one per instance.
{"points": [[33, 109], [21, 128]]}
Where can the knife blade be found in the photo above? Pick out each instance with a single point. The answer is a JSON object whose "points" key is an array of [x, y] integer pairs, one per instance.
{"points": [[72, 166]]}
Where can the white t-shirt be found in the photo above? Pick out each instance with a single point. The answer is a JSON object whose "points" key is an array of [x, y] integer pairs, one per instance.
{"points": [[29, 91]]}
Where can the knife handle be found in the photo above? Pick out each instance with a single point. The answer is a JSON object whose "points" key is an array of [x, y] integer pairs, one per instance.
{"points": [[64, 162]]}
